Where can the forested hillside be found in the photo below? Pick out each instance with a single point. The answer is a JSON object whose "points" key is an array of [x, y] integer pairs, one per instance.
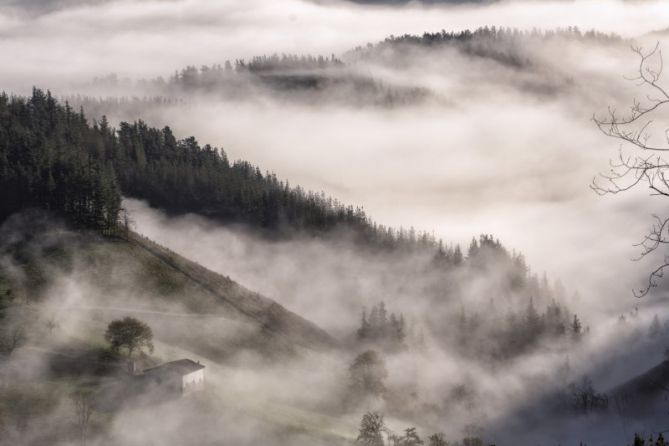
{"points": [[53, 157], [493, 33], [507, 46], [303, 79], [350, 79], [49, 157]]}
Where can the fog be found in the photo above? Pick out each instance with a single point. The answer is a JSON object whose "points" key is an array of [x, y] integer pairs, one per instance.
{"points": [[498, 148], [80, 40]]}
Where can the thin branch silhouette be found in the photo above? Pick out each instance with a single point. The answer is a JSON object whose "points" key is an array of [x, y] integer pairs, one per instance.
{"points": [[646, 166]]}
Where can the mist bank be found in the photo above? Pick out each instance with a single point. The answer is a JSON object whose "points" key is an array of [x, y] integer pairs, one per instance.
{"points": [[129, 38], [528, 188], [441, 68], [619, 347], [252, 396]]}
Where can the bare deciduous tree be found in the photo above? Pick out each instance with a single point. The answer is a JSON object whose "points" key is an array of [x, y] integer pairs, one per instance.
{"points": [[645, 165], [410, 438], [584, 398], [83, 409], [437, 439], [372, 429]]}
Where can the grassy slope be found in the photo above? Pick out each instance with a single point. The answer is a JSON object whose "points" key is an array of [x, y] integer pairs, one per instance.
{"points": [[274, 318], [134, 275], [194, 312]]}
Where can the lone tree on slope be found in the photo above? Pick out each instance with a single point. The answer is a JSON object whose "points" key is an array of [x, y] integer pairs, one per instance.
{"points": [[129, 333]]}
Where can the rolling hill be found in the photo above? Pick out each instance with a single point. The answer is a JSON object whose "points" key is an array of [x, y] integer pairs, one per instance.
{"points": [[158, 285]]}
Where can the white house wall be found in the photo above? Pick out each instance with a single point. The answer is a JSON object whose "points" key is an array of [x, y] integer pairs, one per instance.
{"points": [[193, 381]]}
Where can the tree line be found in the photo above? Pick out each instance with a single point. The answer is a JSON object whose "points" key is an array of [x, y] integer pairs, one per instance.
{"points": [[263, 63], [374, 432], [380, 327], [494, 34], [304, 78], [504, 45], [518, 333]]}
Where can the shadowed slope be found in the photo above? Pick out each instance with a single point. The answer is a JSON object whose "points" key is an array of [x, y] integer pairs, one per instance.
{"points": [[94, 279]]}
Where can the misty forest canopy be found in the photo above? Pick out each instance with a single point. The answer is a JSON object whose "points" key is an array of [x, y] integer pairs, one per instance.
{"points": [[493, 33], [320, 79], [51, 157], [287, 76], [503, 45]]}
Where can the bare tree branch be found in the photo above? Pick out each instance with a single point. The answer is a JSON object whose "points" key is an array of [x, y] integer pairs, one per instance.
{"points": [[646, 166]]}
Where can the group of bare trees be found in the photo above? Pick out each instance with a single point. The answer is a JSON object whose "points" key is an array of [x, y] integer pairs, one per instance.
{"points": [[375, 432], [582, 398], [82, 401]]}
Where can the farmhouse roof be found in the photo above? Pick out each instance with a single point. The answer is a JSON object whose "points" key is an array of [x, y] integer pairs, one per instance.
{"points": [[181, 366]]}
